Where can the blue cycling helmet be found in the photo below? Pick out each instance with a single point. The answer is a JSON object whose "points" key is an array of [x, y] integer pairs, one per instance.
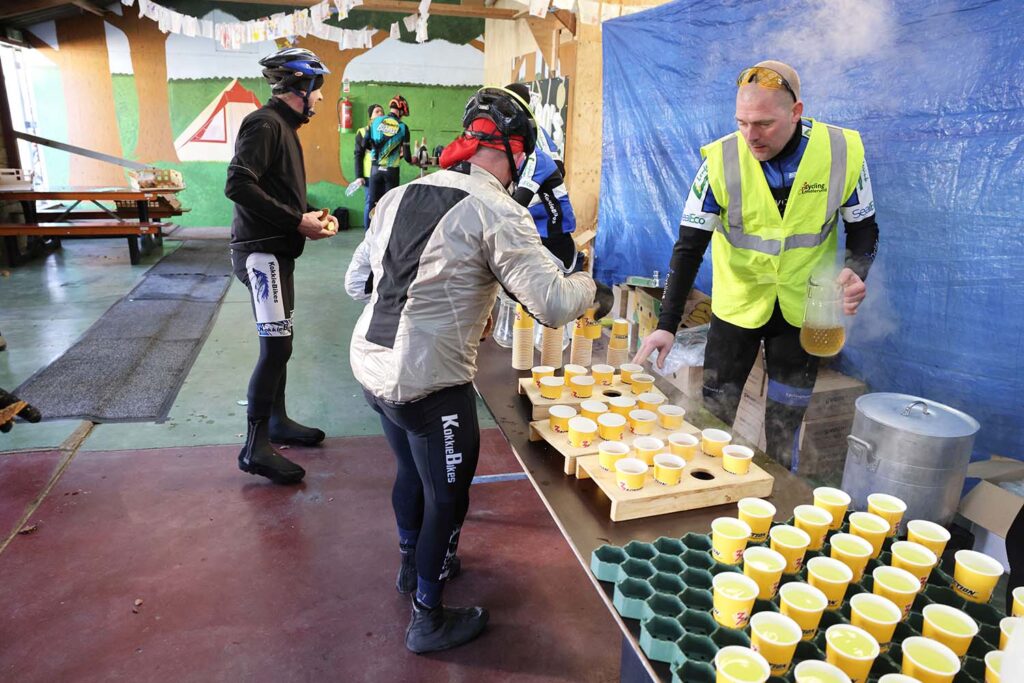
{"points": [[295, 70]]}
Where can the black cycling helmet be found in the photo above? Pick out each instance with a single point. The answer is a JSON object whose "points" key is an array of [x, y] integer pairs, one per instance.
{"points": [[295, 70], [399, 104], [510, 114]]}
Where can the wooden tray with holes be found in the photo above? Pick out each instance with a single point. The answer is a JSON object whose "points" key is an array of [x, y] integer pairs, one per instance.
{"points": [[541, 430], [704, 484], [601, 393]]}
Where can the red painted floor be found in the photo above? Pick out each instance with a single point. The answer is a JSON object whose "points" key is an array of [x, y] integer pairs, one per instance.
{"points": [[23, 476], [242, 580]]}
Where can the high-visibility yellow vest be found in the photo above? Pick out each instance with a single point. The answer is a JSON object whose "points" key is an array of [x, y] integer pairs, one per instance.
{"points": [[368, 154], [758, 255]]}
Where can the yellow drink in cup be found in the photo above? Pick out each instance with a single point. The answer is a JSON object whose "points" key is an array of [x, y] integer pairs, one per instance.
{"points": [[593, 409], [833, 500], [609, 453], [994, 666], [775, 637], [736, 664], [764, 566], [1006, 627], [611, 426], [975, 575], [889, 508], [928, 534], [647, 447], [871, 528], [815, 671], [804, 604], [733, 598], [851, 649], [668, 469], [712, 441], [929, 661], [898, 585], [791, 543], [736, 459], [630, 473], [582, 432], [915, 558], [642, 422], [729, 538], [684, 445], [650, 401], [759, 515], [670, 417], [853, 551], [1018, 602], [558, 418], [876, 615], [622, 405], [831, 577], [949, 626], [815, 521], [897, 678], [539, 371]]}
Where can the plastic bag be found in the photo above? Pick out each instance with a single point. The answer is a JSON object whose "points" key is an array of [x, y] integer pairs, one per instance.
{"points": [[687, 351]]}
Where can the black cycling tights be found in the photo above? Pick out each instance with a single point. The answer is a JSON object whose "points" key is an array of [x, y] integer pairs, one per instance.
{"points": [[436, 441], [1015, 556], [728, 358]]}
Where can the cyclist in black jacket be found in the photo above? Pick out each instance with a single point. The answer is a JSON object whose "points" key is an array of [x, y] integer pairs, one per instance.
{"points": [[272, 220]]}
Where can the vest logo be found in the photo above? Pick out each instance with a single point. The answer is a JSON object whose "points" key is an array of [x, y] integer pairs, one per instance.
{"points": [[810, 188]]}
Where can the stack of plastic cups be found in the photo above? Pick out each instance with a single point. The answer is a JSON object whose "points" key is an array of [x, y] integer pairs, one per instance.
{"points": [[582, 345], [593, 330], [551, 346], [618, 345], [522, 340]]}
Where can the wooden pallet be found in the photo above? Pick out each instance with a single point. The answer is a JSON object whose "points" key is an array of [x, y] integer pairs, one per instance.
{"points": [[688, 494], [601, 393]]}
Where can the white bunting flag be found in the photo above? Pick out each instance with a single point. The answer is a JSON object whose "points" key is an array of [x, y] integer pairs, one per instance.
{"points": [[396, 32]]}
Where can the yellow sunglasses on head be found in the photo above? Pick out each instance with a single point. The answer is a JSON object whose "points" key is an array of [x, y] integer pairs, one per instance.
{"points": [[766, 78]]}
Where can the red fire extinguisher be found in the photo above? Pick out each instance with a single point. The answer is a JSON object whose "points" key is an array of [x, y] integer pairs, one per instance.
{"points": [[345, 115]]}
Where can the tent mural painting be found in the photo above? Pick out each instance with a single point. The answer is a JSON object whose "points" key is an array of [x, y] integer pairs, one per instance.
{"points": [[211, 135]]}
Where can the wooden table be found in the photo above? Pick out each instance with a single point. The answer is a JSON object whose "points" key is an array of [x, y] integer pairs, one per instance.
{"points": [[581, 510], [141, 230]]}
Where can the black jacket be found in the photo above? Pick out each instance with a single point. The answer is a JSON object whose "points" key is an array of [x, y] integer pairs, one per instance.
{"points": [[267, 182]]}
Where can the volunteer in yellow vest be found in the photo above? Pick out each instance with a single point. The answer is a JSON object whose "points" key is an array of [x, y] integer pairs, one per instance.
{"points": [[364, 158], [768, 198]]}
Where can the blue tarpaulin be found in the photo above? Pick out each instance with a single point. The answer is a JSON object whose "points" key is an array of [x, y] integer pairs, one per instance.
{"points": [[936, 90]]}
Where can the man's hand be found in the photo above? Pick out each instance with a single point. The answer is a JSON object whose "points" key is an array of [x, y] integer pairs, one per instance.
{"points": [[312, 227], [854, 290], [332, 223], [662, 340], [357, 183]]}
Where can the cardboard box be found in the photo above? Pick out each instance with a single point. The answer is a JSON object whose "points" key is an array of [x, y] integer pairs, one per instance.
{"points": [[834, 396], [820, 447], [989, 505]]}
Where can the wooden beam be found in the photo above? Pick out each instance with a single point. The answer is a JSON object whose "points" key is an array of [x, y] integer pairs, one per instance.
{"points": [[567, 18], [14, 8], [400, 7], [89, 7]]}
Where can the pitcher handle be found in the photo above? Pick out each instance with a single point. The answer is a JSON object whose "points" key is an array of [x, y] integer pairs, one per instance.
{"points": [[924, 408]]}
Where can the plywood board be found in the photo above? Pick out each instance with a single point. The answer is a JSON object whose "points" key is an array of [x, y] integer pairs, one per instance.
{"points": [[541, 404]]}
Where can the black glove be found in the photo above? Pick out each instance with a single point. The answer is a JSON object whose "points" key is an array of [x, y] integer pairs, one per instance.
{"points": [[28, 412], [604, 299]]}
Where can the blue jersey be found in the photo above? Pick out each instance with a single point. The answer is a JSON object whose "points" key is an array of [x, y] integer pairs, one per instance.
{"points": [[542, 190], [387, 134]]}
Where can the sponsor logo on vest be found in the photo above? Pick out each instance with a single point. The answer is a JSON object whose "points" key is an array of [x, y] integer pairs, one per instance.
{"points": [[451, 458], [807, 187], [693, 218]]}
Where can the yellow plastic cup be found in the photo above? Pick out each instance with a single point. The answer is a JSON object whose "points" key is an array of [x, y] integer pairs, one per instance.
{"points": [[835, 501], [759, 515], [852, 649], [539, 371], [975, 575], [729, 538], [831, 577], [670, 417], [775, 637], [949, 626], [712, 441], [640, 383], [593, 409], [650, 401], [737, 664], [898, 585], [804, 604], [764, 566], [611, 426], [572, 370], [641, 422], [630, 473], [684, 445], [1006, 627], [558, 418], [929, 661], [733, 598], [627, 370], [1018, 602], [551, 387], [853, 551], [522, 321], [876, 615], [582, 432], [928, 534], [816, 671], [581, 386], [736, 459], [815, 521], [994, 666], [603, 374], [897, 678], [871, 528], [889, 508], [647, 447], [623, 405], [668, 469], [915, 558], [609, 453], [791, 543]]}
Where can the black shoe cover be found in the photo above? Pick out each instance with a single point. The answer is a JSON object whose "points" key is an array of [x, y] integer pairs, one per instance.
{"points": [[259, 457], [442, 628]]}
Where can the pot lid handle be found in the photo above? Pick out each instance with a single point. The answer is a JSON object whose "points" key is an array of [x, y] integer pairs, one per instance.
{"points": [[910, 408]]}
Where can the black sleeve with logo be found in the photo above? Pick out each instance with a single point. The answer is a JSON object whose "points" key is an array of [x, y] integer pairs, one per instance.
{"points": [[687, 255]]}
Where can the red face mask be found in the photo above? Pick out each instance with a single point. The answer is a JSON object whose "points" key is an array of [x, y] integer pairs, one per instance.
{"points": [[465, 146]]}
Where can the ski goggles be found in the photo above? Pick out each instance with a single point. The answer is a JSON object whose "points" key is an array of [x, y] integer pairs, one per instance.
{"points": [[766, 78]]}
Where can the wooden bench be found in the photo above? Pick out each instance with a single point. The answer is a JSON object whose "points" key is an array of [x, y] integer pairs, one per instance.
{"points": [[132, 230]]}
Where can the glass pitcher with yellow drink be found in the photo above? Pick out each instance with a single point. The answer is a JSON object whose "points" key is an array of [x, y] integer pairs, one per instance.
{"points": [[824, 332]]}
